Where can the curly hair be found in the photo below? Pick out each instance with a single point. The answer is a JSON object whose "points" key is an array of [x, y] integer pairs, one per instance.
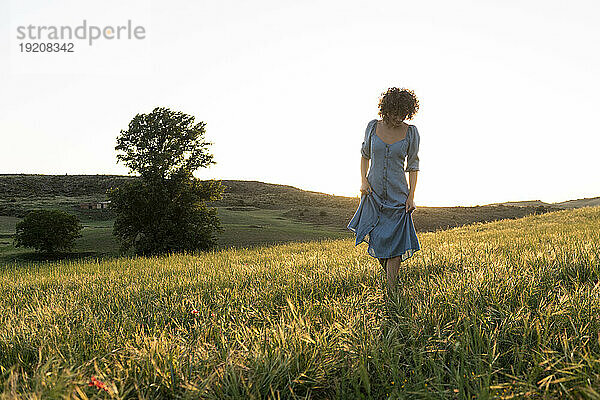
{"points": [[400, 102]]}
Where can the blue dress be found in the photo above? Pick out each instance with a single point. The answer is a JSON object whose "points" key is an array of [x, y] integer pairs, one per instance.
{"points": [[381, 214]]}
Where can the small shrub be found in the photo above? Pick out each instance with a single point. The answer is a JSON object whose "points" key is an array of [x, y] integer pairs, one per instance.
{"points": [[48, 231]]}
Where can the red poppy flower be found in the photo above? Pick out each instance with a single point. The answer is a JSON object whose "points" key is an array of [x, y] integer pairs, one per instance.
{"points": [[97, 383]]}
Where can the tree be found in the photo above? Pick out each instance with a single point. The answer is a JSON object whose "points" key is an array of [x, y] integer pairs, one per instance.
{"points": [[48, 231], [161, 143], [165, 210]]}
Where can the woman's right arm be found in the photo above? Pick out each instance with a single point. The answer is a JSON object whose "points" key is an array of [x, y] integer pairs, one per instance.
{"points": [[365, 157], [364, 168]]}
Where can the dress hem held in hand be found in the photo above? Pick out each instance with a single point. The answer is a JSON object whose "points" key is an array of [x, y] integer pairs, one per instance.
{"points": [[388, 230]]}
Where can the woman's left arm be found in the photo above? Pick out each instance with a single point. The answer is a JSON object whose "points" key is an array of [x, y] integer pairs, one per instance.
{"points": [[412, 182], [412, 167]]}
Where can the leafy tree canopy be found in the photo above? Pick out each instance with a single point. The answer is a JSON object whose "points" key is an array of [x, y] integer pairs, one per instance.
{"points": [[162, 143]]}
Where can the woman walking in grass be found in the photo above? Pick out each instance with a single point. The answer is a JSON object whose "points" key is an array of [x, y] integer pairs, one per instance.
{"points": [[387, 200]]}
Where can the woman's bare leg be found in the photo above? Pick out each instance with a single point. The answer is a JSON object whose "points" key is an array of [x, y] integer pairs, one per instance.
{"points": [[392, 266]]}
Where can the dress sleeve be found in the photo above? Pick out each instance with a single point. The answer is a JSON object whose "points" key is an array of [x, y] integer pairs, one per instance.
{"points": [[365, 149], [412, 159]]}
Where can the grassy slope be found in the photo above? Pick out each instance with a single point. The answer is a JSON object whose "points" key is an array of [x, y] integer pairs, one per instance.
{"points": [[489, 310], [258, 227]]}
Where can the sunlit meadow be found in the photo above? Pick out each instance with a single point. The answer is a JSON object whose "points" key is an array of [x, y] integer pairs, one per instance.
{"points": [[508, 309]]}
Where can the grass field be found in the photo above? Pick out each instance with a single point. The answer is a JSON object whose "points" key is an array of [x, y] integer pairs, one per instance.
{"points": [[508, 309], [257, 227]]}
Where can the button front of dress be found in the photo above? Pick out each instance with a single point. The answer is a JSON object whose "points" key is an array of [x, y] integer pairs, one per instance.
{"points": [[381, 213], [386, 174]]}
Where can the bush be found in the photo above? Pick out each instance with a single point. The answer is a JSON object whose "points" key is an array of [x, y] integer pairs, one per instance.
{"points": [[48, 231]]}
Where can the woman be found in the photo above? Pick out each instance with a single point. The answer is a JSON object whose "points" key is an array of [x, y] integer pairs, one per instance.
{"points": [[387, 200]]}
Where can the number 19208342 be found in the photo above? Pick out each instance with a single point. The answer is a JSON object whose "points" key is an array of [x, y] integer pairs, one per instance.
{"points": [[46, 47]]}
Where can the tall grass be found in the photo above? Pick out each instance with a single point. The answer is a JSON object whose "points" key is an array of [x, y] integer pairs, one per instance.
{"points": [[508, 309]]}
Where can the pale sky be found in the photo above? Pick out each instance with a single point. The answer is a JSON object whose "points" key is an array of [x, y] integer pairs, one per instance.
{"points": [[509, 90]]}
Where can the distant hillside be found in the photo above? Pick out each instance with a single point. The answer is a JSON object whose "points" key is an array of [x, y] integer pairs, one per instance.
{"points": [[237, 192], [38, 185], [569, 204], [591, 202], [14, 188], [21, 192], [525, 203]]}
